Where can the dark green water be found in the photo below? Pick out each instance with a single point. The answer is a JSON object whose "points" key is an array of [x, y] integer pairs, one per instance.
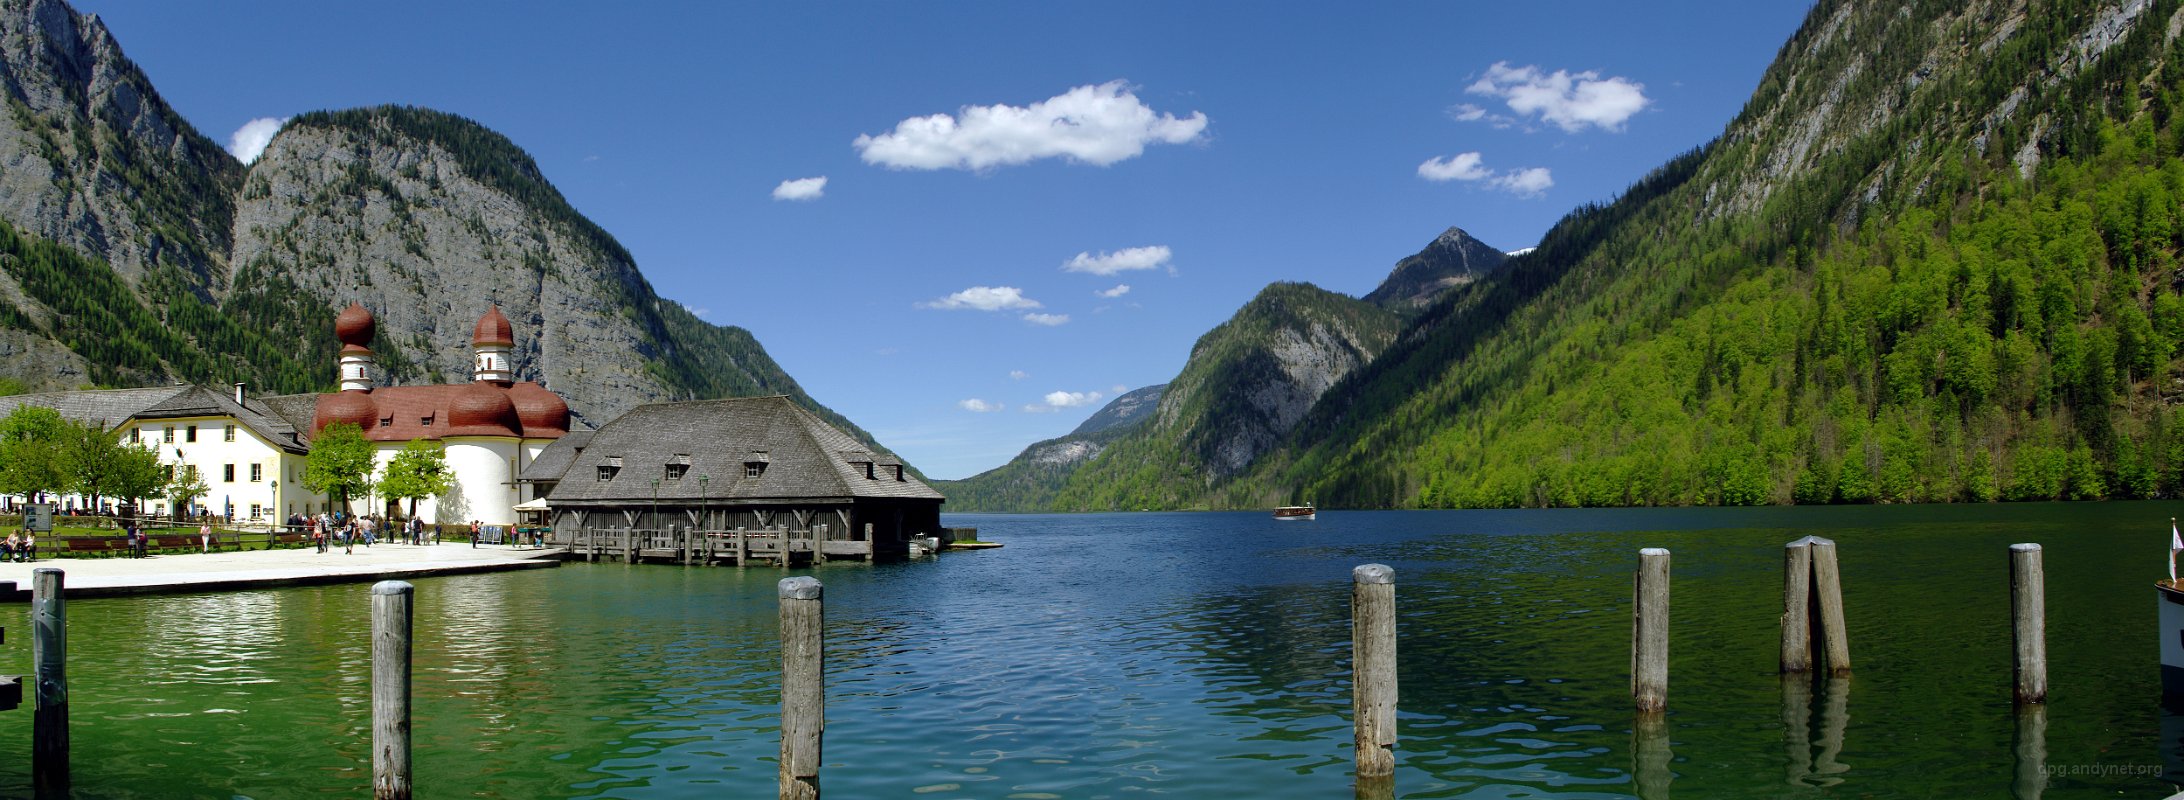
{"points": [[1195, 655]]}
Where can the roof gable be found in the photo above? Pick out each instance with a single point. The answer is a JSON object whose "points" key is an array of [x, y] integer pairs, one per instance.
{"points": [[799, 456]]}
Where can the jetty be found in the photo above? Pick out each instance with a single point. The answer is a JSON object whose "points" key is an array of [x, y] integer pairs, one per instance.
{"points": [[743, 547]]}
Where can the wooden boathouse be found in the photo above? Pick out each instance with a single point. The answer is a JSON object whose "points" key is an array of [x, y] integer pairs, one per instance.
{"points": [[741, 481]]}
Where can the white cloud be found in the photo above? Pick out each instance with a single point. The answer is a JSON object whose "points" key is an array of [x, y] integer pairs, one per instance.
{"points": [[1466, 112], [1119, 290], [1096, 125], [801, 189], [1056, 401], [1017, 374], [1459, 167], [1049, 320], [1571, 101], [984, 298], [1530, 182], [977, 406], [1119, 388], [1134, 258], [248, 142], [1526, 182]]}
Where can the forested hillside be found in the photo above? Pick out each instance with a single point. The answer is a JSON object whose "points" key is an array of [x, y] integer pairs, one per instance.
{"points": [[1936, 259]]}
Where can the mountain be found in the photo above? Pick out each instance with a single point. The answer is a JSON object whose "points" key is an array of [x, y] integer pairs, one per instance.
{"points": [[1030, 480], [133, 250], [1451, 260], [1245, 387], [1933, 259]]}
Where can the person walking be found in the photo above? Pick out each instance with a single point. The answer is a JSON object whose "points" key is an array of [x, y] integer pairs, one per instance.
{"points": [[473, 534], [204, 536]]}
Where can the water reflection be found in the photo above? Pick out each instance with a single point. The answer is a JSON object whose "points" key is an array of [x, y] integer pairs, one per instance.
{"points": [[1650, 756], [2031, 775], [1815, 761]]}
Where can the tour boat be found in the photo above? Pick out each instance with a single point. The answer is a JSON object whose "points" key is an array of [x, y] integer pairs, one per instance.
{"points": [[2172, 641], [1304, 512]]}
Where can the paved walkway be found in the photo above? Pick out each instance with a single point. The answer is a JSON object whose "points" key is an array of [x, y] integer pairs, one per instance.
{"points": [[204, 572]]}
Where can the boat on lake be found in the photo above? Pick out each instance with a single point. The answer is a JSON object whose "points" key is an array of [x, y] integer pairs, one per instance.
{"points": [[2172, 640], [1304, 512]]}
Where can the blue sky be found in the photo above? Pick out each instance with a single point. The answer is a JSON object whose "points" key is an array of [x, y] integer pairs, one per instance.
{"points": [[982, 157]]}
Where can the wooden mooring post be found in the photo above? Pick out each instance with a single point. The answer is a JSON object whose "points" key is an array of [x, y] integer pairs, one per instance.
{"points": [[803, 686], [1649, 631], [2028, 623], [1812, 607], [1372, 676], [49, 665], [391, 607]]}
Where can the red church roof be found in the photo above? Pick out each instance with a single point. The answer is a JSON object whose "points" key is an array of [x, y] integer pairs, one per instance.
{"points": [[402, 413]]}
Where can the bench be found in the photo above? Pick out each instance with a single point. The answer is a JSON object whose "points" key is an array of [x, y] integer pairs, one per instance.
{"points": [[93, 544]]}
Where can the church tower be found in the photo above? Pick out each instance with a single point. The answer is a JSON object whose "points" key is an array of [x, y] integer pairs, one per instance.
{"points": [[354, 327], [492, 346]]}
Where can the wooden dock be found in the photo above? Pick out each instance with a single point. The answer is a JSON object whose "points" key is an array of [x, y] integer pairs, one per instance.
{"points": [[742, 547]]}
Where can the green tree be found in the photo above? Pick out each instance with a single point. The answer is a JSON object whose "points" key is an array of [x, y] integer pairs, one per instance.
{"points": [[87, 458], [184, 489], [419, 470], [30, 448], [340, 462], [137, 474]]}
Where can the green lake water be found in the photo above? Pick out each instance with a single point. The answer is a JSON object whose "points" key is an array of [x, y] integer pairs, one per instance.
{"points": [[1191, 655]]}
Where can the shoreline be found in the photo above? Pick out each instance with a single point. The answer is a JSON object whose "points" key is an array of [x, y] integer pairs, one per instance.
{"points": [[188, 573]]}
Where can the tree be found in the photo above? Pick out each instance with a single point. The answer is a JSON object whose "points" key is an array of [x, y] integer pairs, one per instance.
{"points": [[137, 474], [340, 462], [184, 490], [87, 458], [30, 451], [420, 470]]}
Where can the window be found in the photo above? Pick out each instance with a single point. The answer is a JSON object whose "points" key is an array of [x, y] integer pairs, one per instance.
{"points": [[169, 435], [898, 472], [257, 473], [227, 473], [606, 473], [190, 435], [676, 471], [229, 436], [753, 469], [425, 420], [256, 511], [136, 435], [166, 472], [386, 421]]}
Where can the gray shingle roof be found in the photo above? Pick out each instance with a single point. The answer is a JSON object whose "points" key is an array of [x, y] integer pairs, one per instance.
{"points": [[298, 410], [556, 458], [804, 457], [114, 407]]}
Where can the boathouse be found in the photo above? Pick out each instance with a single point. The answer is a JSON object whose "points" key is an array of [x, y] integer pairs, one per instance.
{"points": [[694, 474]]}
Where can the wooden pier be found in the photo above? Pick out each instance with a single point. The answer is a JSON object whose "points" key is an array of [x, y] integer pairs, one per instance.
{"points": [[742, 547]]}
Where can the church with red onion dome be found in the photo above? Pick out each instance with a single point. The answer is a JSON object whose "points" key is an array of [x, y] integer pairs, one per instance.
{"points": [[491, 427]]}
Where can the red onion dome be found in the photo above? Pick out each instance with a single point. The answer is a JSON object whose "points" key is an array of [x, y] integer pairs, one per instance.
{"points": [[541, 410], [483, 406], [355, 408], [354, 326], [493, 329]]}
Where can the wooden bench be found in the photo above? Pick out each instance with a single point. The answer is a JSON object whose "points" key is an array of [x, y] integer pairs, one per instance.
{"points": [[93, 544]]}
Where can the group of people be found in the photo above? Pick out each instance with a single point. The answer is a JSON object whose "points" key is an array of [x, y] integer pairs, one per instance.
{"points": [[21, 545], [331, 528]]}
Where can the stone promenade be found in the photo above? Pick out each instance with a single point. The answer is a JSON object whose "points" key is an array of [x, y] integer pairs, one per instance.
{"points": [[205, 572]]}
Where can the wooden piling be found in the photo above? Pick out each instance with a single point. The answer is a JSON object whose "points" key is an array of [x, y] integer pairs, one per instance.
{"points": [[743, 548], [2028, 618], [1649, 631], [1797, 606], [49, 664], [1828, 586], [391, 605], [1372, 668], [803, 687]]}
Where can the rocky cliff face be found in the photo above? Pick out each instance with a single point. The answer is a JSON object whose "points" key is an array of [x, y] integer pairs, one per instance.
{"points": [[92, 158], [1451, 260], [1028, 482]]}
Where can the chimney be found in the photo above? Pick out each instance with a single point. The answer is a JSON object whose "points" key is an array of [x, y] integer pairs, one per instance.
{"points": [[239, 393]]}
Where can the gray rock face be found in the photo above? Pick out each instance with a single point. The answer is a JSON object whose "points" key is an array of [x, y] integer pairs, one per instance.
{"points": [[91, 157], [396, 224], [1123, 411], [1451, 260]]}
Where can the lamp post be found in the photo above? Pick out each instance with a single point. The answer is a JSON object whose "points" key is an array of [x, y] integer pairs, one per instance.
{"points": [[274, 512]]}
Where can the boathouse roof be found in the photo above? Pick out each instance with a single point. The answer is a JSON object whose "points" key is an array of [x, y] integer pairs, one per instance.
{"points": [[762, 449]]}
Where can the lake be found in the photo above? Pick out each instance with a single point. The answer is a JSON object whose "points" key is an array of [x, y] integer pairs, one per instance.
{"points": [[1194, 655]]}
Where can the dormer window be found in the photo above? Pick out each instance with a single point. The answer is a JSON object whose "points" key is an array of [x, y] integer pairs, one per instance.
{"points": [[386, 421], [425, 420], [753, 469], [898, 472], [608, 470]]}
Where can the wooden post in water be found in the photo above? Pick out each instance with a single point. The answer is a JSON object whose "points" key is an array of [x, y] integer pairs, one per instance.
{"points": [[1649, 631], [49, 664], [743, 548], [1372, 668], [803, 687], [1827, 582], [1797, 606], [391, 604], [2028, 618]]}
